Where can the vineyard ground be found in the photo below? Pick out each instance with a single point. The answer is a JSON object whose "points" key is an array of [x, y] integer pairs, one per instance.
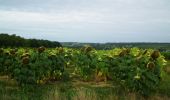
{"points": [[78, 90]]}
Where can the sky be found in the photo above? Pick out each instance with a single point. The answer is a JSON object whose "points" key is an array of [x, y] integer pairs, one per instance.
{"points": [[87, 20]]}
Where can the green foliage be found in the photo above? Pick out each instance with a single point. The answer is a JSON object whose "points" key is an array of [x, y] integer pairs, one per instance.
{"points": [[86, 60], [137, 70], [17, 41], [32, 66], [166, 54]]}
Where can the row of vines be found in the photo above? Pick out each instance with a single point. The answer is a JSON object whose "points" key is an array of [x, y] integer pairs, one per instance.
{"points": [[135, 69]]}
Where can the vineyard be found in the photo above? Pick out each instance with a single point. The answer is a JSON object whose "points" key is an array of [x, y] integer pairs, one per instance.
{"points": [[135, 70]]}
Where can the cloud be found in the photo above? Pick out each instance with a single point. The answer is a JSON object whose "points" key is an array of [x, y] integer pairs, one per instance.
{"points": [[87, 20]]}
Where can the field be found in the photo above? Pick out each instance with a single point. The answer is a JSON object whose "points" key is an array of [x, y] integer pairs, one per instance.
{"points": [[83, 74]]}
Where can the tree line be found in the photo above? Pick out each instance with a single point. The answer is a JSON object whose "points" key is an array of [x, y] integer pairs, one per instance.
{"points": [[7, 40]]}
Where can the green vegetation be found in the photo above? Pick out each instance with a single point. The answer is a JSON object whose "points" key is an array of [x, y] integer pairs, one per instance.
{"points": [[166, 55], [9, 90], [17, 41], [107, 46], [64, 71]]}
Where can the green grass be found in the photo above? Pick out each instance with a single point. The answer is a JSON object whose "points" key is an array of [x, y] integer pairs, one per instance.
{"points": [[164, 88], [74, 91]]}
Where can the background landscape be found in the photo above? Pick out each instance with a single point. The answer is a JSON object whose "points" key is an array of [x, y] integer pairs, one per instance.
{"points": [[84, 49]]}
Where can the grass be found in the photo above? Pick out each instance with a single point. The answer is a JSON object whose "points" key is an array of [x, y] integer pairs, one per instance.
{"points": [[74, 91], [77, 90]]}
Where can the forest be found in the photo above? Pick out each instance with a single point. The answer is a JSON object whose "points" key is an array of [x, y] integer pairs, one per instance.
{"points": [[17, 41]]}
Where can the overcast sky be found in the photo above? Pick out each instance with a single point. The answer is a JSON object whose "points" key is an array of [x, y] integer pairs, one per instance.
{"points": [[87, 20]]}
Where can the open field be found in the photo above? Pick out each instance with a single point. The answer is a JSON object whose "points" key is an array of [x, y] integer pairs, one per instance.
{"points": [[78, 87], [84, 49], [76, 90]]}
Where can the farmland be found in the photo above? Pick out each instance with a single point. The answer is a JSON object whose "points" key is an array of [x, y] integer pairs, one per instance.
{"points": [[84, 49], [86, 73]]}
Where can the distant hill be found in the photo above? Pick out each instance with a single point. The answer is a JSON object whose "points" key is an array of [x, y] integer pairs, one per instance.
{"points": [[7, 40], [105, 46]]}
